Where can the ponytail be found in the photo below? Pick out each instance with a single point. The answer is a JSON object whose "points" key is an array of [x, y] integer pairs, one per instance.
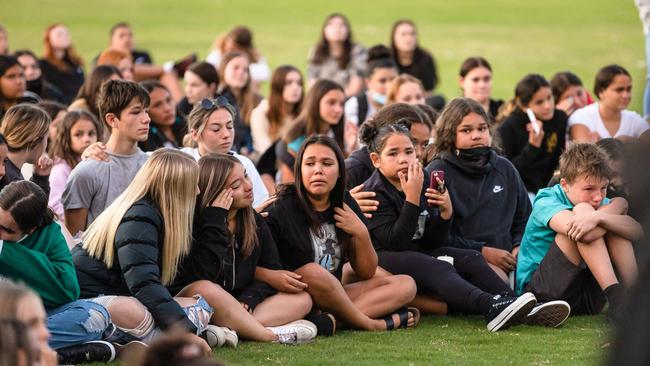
{"points": [[375, 137]]}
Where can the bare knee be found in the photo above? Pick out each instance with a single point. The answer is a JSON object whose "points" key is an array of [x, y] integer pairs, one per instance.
{"points": [[317, 278], [582, 208], [403, 286], [611, 237], [204, 288], [303, 301], [126, 312], [311, 272], [569, 248]]}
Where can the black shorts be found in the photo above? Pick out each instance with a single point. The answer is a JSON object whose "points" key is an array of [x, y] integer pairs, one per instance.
{"points": [[557, 278]]}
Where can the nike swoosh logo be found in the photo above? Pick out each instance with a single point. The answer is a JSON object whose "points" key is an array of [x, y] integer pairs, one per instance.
{"points": [[497, 189]]}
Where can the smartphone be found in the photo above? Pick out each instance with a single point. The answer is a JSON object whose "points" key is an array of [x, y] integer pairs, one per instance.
{"points": [[433, 183], [531, 117]]}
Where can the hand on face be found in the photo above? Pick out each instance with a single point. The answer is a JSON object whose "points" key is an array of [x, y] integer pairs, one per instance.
{"points": [[412, 181], [224, 199]]}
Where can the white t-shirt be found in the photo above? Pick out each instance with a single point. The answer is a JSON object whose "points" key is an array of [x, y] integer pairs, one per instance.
{"points": [[632, 124], [259, 70], [260, 193]]}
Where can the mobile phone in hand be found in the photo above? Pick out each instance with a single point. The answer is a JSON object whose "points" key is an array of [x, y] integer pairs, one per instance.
{"points": [[439, 183], [531, 117]]}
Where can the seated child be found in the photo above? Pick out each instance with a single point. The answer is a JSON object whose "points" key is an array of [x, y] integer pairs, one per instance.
{"points": [[577, 244], [490, 201]]}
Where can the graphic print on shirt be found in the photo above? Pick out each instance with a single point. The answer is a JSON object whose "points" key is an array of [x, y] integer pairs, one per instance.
{"points": [[327, 252], [422, 220], [551, 142], [497, 189]]}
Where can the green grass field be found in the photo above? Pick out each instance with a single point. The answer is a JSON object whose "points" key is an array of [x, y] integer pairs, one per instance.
{"points": [[518, 37], [439, 341]]}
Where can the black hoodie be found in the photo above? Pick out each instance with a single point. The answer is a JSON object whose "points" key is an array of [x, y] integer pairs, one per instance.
{"points": [[215, 256], [399, 225], [535, 164], [359, 167], [491, 205]]}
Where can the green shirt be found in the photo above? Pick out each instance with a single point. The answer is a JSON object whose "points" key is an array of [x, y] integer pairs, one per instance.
{"points": [[43, 262], [539, 236]]}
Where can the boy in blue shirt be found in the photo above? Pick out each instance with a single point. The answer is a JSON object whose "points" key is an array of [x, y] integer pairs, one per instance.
{"points": [[578, 243]]}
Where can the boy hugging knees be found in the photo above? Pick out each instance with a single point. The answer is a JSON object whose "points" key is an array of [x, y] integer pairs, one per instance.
{"points": [[577, 246]]}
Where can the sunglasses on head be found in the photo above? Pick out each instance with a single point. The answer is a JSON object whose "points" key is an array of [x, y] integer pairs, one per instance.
{"points": [[220, 102]]}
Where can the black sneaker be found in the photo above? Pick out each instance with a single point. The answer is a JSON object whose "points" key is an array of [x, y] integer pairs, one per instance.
{"points": [[506, 311], [93, 351], [118, 336], [549, 314]]}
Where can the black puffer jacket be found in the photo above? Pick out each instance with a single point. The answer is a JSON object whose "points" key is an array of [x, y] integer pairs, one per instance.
{"points": [[217, 258], [136, 268]]}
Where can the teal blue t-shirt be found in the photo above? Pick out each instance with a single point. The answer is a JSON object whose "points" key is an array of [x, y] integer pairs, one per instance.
{"points": [[539, 236], [297, 143]]}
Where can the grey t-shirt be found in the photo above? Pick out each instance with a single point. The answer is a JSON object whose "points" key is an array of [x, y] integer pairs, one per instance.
{"points": [[95, 184]]}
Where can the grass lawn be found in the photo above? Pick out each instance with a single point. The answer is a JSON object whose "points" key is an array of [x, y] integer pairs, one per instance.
{"points": [[518, 37], [439, 341]]}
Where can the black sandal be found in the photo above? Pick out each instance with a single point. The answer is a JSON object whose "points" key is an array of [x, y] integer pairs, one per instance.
{"points": [[325, 323], [403, 318]]}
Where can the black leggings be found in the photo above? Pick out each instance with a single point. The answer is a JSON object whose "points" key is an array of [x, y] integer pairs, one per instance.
{"points": [[466, 287]]}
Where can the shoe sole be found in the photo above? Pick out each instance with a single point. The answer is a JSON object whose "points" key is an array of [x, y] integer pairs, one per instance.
{"points": [[514, 313], [551, 314]]}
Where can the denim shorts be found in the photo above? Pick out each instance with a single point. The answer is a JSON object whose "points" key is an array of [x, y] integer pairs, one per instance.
{"points": [[199, 313]]}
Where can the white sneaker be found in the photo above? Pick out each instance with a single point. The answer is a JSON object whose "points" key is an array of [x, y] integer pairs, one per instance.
{"points": [[220, 336], [296, 332]]}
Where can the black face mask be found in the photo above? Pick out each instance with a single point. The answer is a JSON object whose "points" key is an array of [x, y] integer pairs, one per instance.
{"points": [[35, 86], [474, 155]]}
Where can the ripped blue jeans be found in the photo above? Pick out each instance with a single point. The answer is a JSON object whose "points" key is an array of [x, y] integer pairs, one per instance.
{"points": [[75, 323]]}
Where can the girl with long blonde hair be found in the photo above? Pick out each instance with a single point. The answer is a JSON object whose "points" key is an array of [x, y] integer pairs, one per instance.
{"points": [[134, 247]]}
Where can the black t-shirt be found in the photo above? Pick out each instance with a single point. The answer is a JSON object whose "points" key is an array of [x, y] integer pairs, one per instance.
{"points": [[67, 81], [158, 139], [298, 244], [535, 164], [399, 225], [494, 108]]}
